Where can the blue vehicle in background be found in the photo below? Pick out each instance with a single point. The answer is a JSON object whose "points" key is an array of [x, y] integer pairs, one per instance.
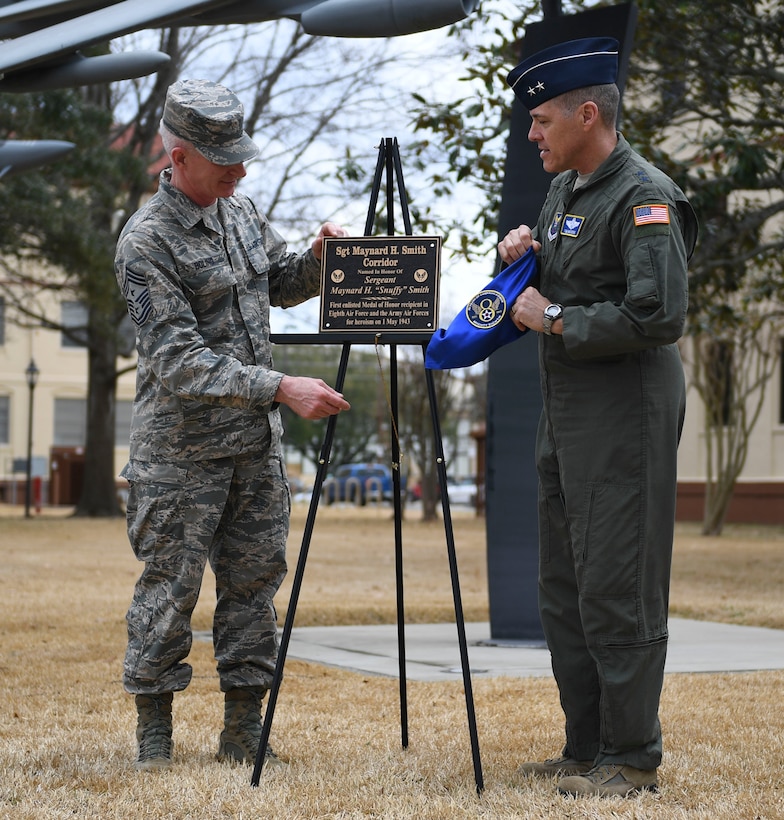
{"points": [[360, 483]]}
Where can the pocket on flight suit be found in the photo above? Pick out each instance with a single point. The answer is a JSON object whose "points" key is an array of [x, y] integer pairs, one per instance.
{"points": [[643, 286], [612, 540], [154, 511], [554, 539]]}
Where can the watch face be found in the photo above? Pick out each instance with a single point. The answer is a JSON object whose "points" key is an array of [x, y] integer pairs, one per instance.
{"points": [[553, 311]]}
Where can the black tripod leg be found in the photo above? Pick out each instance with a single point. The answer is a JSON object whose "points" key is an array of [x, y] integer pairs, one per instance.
{"points": [[300, 571], [376, 188], [397, 503], [401, 189], [390, 166], [450, 545]]}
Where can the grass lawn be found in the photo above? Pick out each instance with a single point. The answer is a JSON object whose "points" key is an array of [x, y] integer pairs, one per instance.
{"points": [[67, 727]]}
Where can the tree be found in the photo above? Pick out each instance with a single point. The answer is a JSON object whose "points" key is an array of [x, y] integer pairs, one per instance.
{"points": [[59, 219], [358, 436], [366, 433], [707, 107], [463, 147], [417, 442], [68, 216], [730, 372], [458, 394], [703, 102]]}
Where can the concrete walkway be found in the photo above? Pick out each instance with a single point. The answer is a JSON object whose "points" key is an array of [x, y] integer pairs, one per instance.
{"points": [[432, 651]]}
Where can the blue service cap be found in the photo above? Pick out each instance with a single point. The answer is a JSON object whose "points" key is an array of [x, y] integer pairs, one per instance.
{"points": [[564, 67], [484, 324]]}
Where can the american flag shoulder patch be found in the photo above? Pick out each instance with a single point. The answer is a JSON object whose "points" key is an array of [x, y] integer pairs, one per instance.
{"points": [[651, 214]]}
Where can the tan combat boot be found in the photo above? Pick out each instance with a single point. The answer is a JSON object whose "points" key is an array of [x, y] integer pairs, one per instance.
{"points": [[555, 767], [610, 780], [241, 735], [154, 731]]}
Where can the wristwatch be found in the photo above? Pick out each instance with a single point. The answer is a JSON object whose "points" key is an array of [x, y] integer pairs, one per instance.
{"points": [[551, 313]]}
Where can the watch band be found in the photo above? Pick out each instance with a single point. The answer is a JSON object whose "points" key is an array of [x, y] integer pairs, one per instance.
{"points": [[551, 314]]}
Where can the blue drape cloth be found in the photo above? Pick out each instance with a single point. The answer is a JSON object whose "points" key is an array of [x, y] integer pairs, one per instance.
{"points": [[485, 323]]}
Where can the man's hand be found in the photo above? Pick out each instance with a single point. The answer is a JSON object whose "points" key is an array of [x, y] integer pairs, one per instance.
{"points": [[327, 229], [516, 243], [528, 309], [528, 312], [310, 398]]}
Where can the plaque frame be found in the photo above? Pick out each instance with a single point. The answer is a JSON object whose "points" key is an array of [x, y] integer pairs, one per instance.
{"points": [[380, 284]]}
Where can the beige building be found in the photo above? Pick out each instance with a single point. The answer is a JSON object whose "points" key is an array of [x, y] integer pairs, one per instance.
{"points": [[59, 407], [759, 491]]}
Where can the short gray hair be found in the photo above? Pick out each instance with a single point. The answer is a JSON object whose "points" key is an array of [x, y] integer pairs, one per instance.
{"points": [[607, 98], [171, 141]]}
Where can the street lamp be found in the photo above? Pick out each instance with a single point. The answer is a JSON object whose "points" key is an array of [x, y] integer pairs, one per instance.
{"points": [[32, 379]]}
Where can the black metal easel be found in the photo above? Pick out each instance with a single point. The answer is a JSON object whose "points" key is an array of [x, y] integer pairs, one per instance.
{"points": [[389, 160]]}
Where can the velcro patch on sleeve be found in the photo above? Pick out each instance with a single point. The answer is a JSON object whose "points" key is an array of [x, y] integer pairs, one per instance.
{"points": [[651, 215]]}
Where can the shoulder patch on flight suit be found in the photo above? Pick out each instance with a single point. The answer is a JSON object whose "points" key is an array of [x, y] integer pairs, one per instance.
{"points": [[571, 225], [651, 219], [651, 214]]}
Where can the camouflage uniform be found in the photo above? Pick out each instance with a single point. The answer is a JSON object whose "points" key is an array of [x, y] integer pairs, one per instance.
{"points": [[207, 481]]}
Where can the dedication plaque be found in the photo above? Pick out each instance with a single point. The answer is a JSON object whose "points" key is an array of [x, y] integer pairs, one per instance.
{"points": [[380, 284]]}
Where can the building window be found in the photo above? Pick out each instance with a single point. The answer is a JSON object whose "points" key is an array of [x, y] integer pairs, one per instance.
{"points": [[70, 422], [73, 316], [4, 422]]}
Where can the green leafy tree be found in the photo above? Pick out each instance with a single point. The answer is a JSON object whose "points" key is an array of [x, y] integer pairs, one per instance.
{"points": [[360, 432], [61, 216], [704, 102], [462, 145]]}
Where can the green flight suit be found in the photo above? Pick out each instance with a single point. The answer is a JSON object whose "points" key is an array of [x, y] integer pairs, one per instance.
{"points": [[614, 254]]}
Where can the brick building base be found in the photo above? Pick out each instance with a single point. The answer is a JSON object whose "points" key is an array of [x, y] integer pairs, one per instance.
{"points": [[753, 502]]}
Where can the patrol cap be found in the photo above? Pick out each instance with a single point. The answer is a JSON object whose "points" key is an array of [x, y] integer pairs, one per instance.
{"points": [[564, 67], [210, 117]]}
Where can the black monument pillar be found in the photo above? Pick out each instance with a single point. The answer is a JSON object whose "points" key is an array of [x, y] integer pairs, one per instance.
{"points": [[514, 399]]}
